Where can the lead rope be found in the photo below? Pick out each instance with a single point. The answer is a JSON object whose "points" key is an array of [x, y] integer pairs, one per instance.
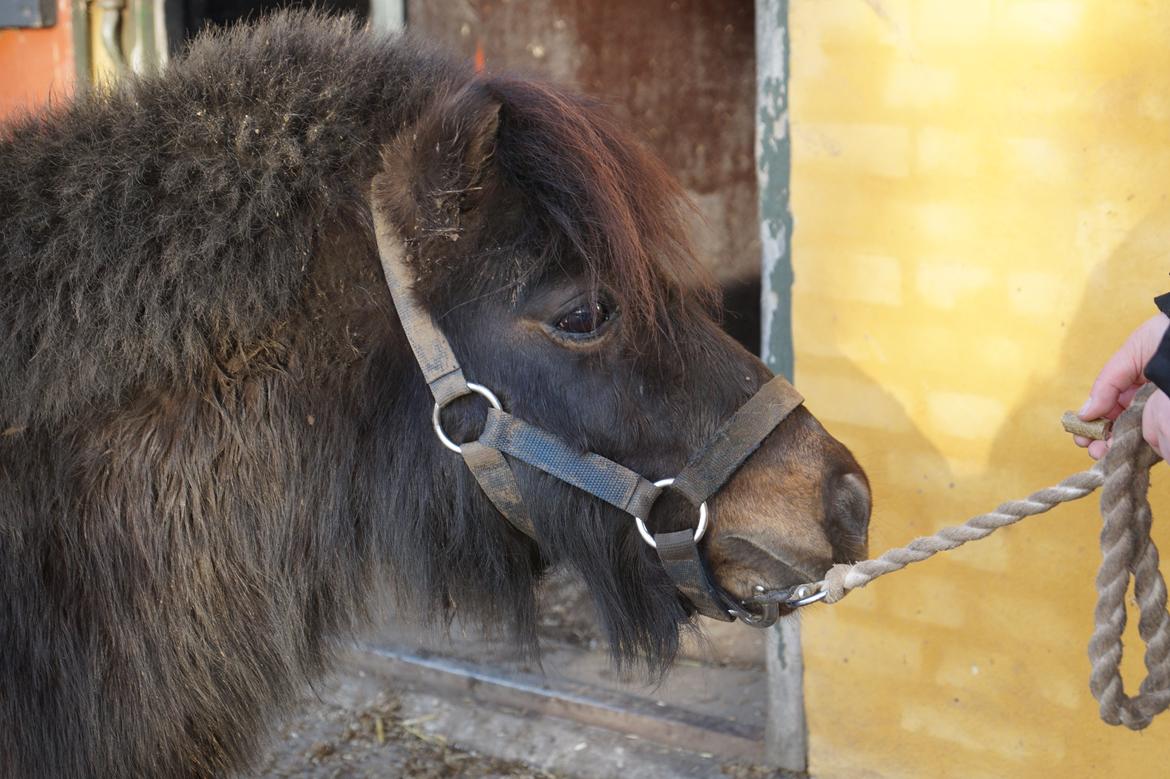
{"points": [[1126, 548]]}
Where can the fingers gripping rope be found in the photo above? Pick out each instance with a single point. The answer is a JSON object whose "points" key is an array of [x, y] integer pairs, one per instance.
{"points": [[1127, 550]]}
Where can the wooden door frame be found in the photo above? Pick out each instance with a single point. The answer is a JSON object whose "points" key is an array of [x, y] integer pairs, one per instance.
{"points": [[787, 728]]}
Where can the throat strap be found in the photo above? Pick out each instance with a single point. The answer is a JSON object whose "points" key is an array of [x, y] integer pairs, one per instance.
{"points": [[495, 478], [684, 565]]}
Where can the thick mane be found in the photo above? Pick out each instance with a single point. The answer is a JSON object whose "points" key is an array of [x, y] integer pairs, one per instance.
{"points": [[150, 231], [511, 180], [604, 199]]}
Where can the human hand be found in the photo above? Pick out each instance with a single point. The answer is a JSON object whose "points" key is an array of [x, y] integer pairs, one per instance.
{"points": [[1120, 380], [1156, 423]]}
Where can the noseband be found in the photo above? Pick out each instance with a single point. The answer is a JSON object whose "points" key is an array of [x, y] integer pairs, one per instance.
{"points": [[706, 472]]}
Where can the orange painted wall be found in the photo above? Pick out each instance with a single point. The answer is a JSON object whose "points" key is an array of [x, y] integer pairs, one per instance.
{"points": [[36, 65]]}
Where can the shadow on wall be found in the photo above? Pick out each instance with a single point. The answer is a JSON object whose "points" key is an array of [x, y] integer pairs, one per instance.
{"points": [[1056, 562], [886, 631], [905, 469], [1032, 432]]}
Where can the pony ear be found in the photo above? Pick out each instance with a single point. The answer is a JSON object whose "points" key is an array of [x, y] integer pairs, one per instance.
{"points": [[435, 174]]}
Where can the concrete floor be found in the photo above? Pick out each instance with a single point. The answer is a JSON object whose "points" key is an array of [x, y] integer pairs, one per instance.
{"points": [[355, 725], [413, 702]]}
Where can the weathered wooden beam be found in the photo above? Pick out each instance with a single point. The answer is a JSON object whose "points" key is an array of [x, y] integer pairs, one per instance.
{"points": [[493, 685]]}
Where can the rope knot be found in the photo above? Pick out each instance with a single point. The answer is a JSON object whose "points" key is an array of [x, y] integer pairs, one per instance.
{"points": [[834, 585]]}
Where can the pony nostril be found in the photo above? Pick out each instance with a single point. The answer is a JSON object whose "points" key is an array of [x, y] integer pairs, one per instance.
{"points": [[847, 512]]}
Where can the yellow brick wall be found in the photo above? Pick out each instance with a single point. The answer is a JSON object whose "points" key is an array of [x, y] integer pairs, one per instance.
{"points": [[981, 191]]}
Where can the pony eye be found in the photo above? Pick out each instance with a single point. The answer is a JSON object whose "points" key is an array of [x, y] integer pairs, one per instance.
{"points": [[584, 320]]}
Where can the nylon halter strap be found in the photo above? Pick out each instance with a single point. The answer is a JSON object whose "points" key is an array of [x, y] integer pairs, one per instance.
{"points": [[707, 471]]}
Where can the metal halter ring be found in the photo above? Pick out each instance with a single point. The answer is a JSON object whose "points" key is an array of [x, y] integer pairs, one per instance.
{"points": [[801, 596], [438, 425], [699, 531]]}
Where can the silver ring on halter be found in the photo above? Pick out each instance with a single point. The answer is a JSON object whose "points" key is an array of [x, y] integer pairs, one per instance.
{"points": [[801, 597], [438, 425], [699, 531]]}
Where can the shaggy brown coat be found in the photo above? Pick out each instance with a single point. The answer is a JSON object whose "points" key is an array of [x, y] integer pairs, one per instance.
{"points": [[215, 442]]}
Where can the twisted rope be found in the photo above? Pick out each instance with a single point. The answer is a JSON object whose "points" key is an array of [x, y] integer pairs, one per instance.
{"points": [[1127, 551]]}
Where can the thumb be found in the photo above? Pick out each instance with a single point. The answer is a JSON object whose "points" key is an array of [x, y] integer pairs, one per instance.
{"points": [[1122, 372]]}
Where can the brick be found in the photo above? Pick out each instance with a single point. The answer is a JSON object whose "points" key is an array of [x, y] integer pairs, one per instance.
{"points": [[944, 223], [1040, 21], [965, 415], [878, 150], [916, 467], [943, 283], [861, 640], [864, 278], [1105, 225], [1037, 293], [1154, 106], [913, 84], [858, 23], [854, 402], [813, 327], [953, 23], [1068, 692], [1037, 612], [1030, 234], [944, 152], [973, 730], [974, 672], [1038, 158], [929, 338], [934, 601], [839, 349], [1002, 354], [964, 666]]}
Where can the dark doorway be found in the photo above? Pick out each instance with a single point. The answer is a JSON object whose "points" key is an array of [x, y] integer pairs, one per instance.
{"points": [[198, 14]]}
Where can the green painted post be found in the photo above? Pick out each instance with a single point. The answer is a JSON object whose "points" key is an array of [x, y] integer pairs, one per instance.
{"points": [[774, 166], [787, 730]]}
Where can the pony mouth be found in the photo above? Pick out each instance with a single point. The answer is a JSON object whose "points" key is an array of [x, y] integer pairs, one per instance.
{"points": [[747, 570]]}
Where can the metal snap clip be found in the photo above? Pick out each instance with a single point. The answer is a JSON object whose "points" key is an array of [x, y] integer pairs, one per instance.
{"points": [[806, 594]]}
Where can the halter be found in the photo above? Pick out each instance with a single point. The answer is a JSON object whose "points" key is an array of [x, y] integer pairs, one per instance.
{"points": [[706, 472]]}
